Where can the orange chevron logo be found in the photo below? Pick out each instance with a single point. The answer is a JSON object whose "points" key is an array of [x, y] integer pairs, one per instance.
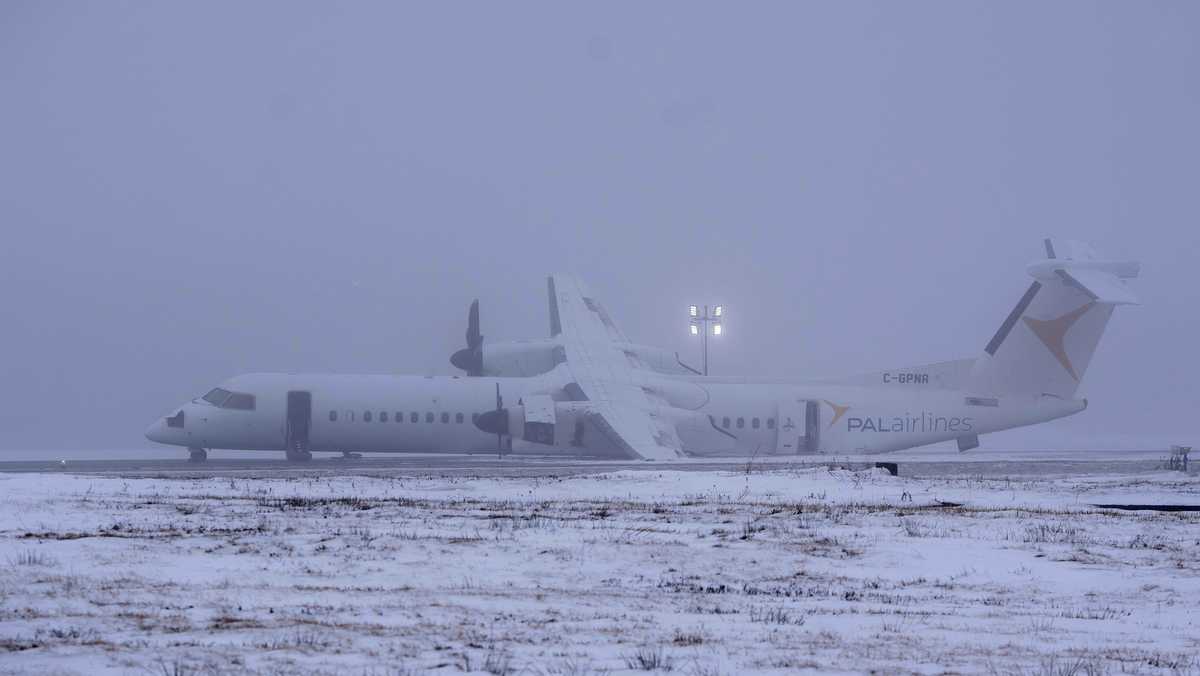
{"points": [[838, 412], [1053, 334]]}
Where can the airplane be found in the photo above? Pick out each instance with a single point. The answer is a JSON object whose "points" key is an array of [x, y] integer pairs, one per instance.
{"points": [[588, 391]]}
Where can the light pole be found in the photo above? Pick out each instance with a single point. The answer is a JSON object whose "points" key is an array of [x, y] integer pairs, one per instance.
{"points": [[699, 324]]}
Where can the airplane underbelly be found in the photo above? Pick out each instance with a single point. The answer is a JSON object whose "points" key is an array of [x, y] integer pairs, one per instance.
{"points": [[401, 437]]}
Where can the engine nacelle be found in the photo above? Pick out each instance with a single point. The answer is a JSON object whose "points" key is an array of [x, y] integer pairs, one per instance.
{"points": [[527, 358], [658, 359], [541, 420], [521, 359]]}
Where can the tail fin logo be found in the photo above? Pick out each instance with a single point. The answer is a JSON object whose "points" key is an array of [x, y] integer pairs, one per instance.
{"points": [[1053, 334], [838, 412]]}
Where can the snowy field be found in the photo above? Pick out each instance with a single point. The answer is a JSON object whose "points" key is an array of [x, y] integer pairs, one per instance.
{"points": [[698, 572]]}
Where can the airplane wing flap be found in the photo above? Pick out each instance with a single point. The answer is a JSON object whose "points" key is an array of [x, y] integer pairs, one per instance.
{"points": [[636, 433]]}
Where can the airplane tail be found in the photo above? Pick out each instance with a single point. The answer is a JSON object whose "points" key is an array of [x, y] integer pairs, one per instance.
{"points": [[1046, 343]]}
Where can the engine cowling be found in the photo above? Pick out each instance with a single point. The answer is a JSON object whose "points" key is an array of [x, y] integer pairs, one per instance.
{"points": [[521, 359], [541, 420], [658, 360], [526, 358]]}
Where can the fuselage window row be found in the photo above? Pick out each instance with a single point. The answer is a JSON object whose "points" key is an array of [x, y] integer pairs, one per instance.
{"points": [[460, 418], [398, 416]]}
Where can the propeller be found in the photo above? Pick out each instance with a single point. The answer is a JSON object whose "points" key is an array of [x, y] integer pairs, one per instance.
{"points": [[470, 359], [495, 421]]}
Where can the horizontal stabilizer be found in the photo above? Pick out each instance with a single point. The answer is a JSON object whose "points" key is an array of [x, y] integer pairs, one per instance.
{"points": [[1103, 286], [1078, 265]]}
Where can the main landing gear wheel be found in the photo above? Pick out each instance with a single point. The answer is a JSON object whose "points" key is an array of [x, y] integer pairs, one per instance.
{"points": [[197, 455]]}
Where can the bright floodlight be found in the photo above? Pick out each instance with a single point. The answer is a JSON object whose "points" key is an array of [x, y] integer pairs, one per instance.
{"points": [[704, 324]]}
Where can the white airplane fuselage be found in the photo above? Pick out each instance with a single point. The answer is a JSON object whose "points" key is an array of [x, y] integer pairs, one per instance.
{"points": [[386, 413]]}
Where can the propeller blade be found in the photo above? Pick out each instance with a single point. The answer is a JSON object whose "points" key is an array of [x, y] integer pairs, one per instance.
{"points": [[470, 359], [495, 421], [474, 338]]}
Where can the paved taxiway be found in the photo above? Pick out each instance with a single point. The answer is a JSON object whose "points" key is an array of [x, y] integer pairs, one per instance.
{"points": [[991, 463]]}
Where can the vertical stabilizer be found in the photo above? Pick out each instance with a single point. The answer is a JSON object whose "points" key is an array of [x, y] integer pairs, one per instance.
{"points": [[1045, 344]]}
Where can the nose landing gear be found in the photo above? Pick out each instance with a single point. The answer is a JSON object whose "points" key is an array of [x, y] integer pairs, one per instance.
{"points": [[197, 454], [299, 420], [298, 453]]}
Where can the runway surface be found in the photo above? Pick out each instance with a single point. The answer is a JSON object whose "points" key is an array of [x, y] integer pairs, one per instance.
{"points": [[990, 463]]}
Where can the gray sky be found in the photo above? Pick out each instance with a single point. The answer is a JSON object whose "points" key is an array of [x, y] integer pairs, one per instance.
{"points": [[190, 191]]}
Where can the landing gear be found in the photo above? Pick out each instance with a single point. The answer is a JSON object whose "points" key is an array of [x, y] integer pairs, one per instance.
{"points": [[299, 419], [298, 455], [197, 455]]}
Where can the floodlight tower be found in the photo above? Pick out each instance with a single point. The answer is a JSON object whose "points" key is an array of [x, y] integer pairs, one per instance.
{"points": [[700, 323]]}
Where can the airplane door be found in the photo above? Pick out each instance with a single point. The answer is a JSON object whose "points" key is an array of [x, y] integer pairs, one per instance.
{"points": [[299, 425], [790, 427], [812, 430]]}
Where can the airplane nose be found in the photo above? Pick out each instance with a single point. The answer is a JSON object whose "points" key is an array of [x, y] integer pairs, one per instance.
{"points": [[161, 431], [155, 431]]}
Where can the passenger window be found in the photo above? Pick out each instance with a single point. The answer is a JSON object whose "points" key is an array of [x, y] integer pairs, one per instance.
{"points": [[754, 423], [458, 418], [445, 418], [414, 417], [770, 423], [725, 422], [366, 416], [333, 416], [428, 417], [741, 423], [383, 416], [399, 417]]}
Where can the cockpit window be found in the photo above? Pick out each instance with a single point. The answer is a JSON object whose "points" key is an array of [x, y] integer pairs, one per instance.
{"points": [[226, 399], [240, 401], [217, 396]]}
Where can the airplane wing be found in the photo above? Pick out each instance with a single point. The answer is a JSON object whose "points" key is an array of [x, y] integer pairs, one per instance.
{"points": [[632, 419]]}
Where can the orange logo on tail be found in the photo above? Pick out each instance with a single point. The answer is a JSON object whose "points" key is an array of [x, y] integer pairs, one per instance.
{"points": [[1053, 334]]}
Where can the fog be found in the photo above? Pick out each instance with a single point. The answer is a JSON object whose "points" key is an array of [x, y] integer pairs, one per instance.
{"points": [[191, 191]]}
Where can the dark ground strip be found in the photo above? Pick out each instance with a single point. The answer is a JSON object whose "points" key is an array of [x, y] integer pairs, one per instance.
{"points": [[1154, 508]]}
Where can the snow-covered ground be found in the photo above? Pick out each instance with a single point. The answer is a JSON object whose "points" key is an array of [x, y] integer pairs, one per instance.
{"points": [[698, 572]]}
